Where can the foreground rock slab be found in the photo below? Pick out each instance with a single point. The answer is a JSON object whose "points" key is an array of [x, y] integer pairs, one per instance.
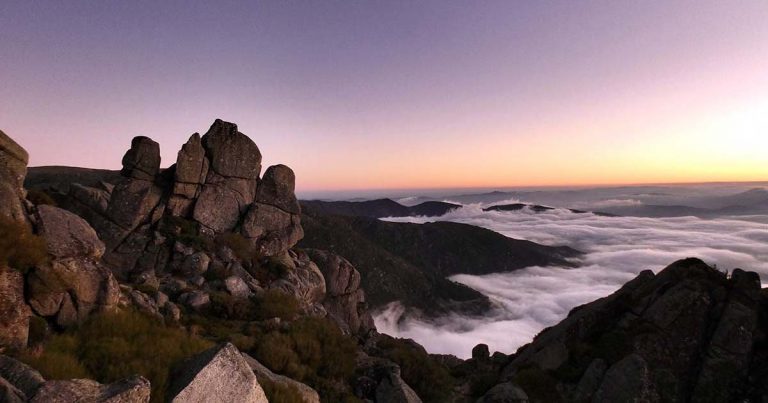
{"points": [[217, 375], [130, 390]]}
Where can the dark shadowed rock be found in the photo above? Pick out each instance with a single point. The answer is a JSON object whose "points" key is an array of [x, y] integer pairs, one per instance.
{"points": [[67, 235], [506, 392], [20, 375], [345, 300], [130, 390], [10, 394], [231, 153], [688, 333], [305, 282], [381, 382], [14, 312], [277, 189], [219, 374], [142, 160]]}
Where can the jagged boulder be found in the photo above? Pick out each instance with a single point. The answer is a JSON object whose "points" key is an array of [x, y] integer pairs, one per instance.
{"points": [[142, 160], [277, 188], [14, 311], [130, 390], [380, 381], [345, 300], [13, 168], [67, 235], [219, 374], [303, 279], [231, 153], [688, 333]]}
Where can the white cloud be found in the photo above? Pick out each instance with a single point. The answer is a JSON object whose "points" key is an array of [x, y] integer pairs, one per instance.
{"points": [[616, 249]]}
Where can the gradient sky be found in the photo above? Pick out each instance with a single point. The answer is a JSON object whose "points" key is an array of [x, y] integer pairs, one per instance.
{"points": [[383, 94]]}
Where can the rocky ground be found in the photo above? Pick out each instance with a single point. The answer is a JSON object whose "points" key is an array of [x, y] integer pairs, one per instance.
{"points": [[187, 285]]}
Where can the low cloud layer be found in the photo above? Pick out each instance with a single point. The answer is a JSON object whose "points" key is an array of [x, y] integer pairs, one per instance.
{"points": [[616, 249]]}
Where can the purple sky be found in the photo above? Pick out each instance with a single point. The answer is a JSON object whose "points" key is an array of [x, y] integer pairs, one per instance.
{"points": [[365, 94]]}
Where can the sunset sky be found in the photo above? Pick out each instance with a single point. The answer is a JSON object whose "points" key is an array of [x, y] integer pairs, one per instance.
{"points": [[427, 94]]}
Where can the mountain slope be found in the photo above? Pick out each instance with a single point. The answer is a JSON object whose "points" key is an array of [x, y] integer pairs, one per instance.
{"points": [[410, 262]]}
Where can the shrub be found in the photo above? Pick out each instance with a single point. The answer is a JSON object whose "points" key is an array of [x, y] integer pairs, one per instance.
{"points": [[431, 380], [113, 346], [278, 392], [314, 351], [19, 247], [276, 304], [38, 197]]}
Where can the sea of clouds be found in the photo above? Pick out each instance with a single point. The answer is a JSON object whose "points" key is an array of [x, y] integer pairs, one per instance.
{"points": [[616, 249]]}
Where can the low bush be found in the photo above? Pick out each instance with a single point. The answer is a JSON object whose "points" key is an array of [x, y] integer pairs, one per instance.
{"points": [[185, 231], [113, 346], [431, 380], [537, 384], [276, 304], [314, 351], [277, 392], [19, 247]]}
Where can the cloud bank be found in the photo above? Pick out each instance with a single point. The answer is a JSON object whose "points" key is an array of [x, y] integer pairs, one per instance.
{"points": [[616, 249]]}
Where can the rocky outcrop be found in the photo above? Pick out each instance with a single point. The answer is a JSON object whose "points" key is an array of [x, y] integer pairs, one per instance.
{"points": [[130, 390], [13, 168], [303, 280], [14, 311], [688, 333], [142, 160], [214, 188], [380, 381], [345, 299], [74, 284], [220, 374]]}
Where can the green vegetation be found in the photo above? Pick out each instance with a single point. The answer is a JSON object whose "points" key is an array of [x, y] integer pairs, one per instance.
{"points": [[38, 197], [19, 247], [113, 346], [277, 392], [431, 380], [270, 304]]}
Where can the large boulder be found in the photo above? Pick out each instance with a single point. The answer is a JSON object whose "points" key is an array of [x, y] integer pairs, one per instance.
{"points": [[142, 160], [219, 374], [277, 189], [69, 290], [271, 229], [223, 201], [345, 300], [191, 167], [380, 381], [131, 390], [13, 168], [67, 235], [14, 311], [231, 153], [303, 279]]}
